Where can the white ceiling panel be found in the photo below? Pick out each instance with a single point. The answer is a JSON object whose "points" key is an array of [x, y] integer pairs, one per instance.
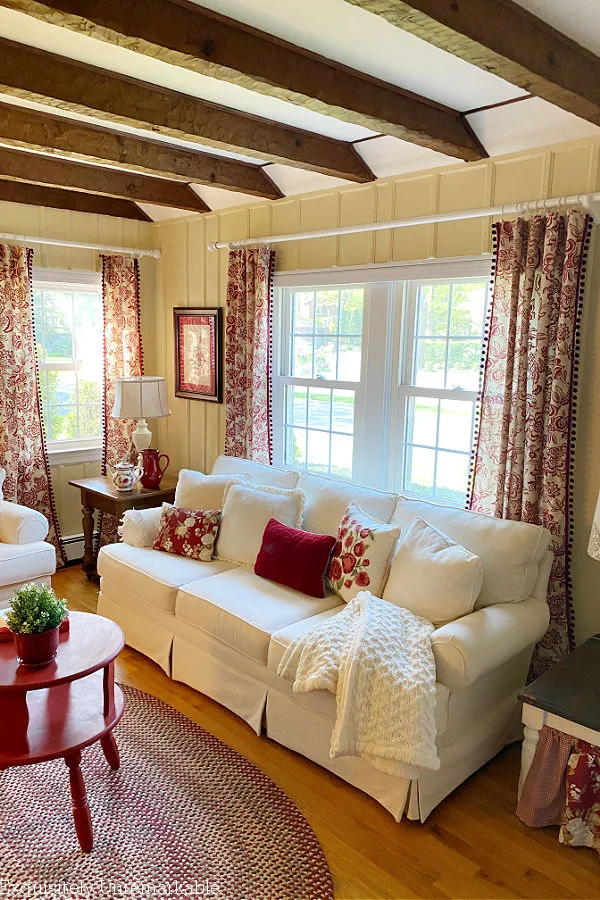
{"points": [[526, 124], [17, 26], [162, 213], [219, 198], [291, 180], [578, 19], [370, 44], [386, 155]]}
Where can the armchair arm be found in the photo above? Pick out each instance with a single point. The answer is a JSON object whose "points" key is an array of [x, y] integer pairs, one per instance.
{"points": [[469, 647], [21, 525]]}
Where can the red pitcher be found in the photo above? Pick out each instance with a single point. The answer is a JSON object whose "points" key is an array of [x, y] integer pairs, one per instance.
{"points": [[152, 470]]}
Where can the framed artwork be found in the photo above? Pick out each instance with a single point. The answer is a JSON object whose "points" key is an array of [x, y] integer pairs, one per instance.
{"points": [[198, 353]]}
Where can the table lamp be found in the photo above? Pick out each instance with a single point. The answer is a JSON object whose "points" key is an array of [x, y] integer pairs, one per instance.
{"points": [[141, 397]]}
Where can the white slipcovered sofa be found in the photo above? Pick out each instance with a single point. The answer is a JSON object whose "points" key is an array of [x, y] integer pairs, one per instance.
{"points": [[222, 630], [24, 554]]}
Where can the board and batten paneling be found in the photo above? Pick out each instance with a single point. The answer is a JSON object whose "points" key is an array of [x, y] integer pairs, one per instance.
{"points": [[16, 218], [189, 275]]}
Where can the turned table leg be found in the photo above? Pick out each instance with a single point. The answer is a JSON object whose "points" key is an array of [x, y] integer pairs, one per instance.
{"points": [[89, 557], [111, 751], [81, 810]]}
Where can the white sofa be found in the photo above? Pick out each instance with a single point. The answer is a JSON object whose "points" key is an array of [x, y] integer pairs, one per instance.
{"points": [[222, 630], [24, 554]]}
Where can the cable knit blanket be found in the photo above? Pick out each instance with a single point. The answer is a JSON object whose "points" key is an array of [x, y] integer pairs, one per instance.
{"points": [[378, 661]]}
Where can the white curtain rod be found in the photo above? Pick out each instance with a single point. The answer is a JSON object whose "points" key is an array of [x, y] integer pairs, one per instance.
{"points": [[56, 242], [585, 200]]}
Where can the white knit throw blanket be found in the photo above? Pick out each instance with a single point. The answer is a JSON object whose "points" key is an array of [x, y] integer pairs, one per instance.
{"points": [[378, 661]]}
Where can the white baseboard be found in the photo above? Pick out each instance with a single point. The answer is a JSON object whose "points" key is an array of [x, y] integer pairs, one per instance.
{"points": [[73, 545]]}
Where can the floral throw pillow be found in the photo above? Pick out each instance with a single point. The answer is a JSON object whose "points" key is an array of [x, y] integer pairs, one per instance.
{"points": [[188, 532], [361, 556]]}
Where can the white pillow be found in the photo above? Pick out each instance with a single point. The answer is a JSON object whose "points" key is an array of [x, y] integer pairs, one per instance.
{"points": [[139, 526], [198, 491], [246, 511], [361, 557], [258, 472], [432, 576]]}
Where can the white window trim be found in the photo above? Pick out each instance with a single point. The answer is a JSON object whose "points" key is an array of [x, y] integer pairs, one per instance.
{"points": [[385, 313], [64, 453]]}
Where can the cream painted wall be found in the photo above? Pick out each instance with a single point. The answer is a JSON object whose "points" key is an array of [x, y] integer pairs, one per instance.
{"points": [[73, 226], [189, 275]]}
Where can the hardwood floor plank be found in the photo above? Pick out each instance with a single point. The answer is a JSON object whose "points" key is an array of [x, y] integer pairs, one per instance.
{"points": [[472, 845]]}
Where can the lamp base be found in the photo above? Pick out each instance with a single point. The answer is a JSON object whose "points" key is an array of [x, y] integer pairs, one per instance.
{"points": [[142, 438]]}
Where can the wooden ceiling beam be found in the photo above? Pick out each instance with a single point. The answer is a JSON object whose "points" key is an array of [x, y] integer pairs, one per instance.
{"points": [[55, 198], [34, 74], [185, 34], [21, 127], [18, 165], [501, 37]]}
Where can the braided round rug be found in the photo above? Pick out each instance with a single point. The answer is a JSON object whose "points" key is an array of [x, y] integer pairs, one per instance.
{"points": [[185, 816]]}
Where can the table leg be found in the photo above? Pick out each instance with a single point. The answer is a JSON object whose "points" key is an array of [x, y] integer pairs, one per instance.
{"points": [[81, 810], [14, 721], [108, 685], [111, 751], [89, 557]]}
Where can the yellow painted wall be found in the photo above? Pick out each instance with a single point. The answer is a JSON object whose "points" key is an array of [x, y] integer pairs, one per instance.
{"points": [[74, 226], [188, 275]]}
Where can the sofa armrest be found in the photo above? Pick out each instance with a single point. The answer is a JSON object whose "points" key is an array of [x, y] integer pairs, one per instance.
{"points": [[469, 647], [21, 525]]}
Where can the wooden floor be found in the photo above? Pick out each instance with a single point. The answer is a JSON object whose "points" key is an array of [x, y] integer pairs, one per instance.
{"points": [[472, 845]]}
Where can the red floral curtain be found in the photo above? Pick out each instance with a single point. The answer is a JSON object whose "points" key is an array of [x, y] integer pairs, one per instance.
{"points": [[524, 448], [22, 441], [123, 357], [248, 355]]}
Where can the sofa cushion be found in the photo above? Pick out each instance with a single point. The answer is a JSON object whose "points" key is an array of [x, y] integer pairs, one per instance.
{"points": [[25, 562], [243, 610], [510, 552], [327, 500], [271, 475], [153, 575]]}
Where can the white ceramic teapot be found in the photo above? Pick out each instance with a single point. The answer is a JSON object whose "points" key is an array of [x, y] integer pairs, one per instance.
{"points": [[125, 474]]}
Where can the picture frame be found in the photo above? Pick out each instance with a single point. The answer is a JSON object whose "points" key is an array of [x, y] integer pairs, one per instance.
{"points": [[198, 359]]}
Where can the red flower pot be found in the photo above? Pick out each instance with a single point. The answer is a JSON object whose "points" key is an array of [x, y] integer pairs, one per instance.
{"points": [[37, 649]]}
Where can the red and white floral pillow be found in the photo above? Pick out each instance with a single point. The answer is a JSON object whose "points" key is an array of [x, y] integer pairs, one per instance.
{"points": [[362, 554], [188, 532]]}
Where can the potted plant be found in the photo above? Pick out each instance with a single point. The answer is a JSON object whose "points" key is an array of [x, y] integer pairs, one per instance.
{"points": [[34, 618]]}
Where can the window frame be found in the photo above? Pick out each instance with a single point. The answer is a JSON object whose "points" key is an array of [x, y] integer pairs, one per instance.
{"points": [[79, 450]]}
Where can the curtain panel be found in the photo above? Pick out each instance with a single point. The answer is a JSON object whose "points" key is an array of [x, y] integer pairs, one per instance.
{"points": [[22, 440], [123, 357], [522, 466], [248, 347]]}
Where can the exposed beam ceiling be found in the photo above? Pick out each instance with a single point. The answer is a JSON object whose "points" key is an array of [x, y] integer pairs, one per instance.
{"points": [[184, 34], [500, 36], [50, 170], [34, 195], [42, 131], [47, 77]]}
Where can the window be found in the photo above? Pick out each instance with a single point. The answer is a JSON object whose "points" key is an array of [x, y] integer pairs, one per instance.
{"points": [[377, 381], [68, 330]]}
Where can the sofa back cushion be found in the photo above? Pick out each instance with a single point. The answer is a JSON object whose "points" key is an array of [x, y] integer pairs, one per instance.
{"points": [[328, 499], [246, 512], [198, 491], [260, 474], [510, 552]]}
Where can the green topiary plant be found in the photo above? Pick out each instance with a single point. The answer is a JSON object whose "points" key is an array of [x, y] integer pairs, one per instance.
{"points": [[35, 608]]}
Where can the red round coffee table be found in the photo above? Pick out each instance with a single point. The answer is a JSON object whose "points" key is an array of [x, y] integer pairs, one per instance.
{"points": [[58, 709]]}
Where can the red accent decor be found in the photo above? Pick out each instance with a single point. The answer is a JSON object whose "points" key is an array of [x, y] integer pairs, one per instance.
{"points": [[153, 472], [7, 635], [581, 820], [248, 344], [350, 559], [294, 558], [188, 532], [54, 711], [37, 649], [22, 439], [523, 460], [204, 357], [123, 358]]}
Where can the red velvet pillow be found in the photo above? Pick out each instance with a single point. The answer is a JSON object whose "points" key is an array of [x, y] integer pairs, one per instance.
{"points": [[188, 532], [295, 558]]}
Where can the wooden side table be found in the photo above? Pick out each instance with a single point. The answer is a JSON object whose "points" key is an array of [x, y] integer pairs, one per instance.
{"points": [[566, 698], [100, 493]]}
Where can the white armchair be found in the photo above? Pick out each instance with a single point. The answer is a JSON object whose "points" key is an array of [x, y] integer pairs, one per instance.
{"points": [[24, 554]]}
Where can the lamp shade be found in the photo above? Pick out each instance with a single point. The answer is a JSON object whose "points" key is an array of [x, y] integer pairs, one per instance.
{"points": [[594, 544], [144, 397]]}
